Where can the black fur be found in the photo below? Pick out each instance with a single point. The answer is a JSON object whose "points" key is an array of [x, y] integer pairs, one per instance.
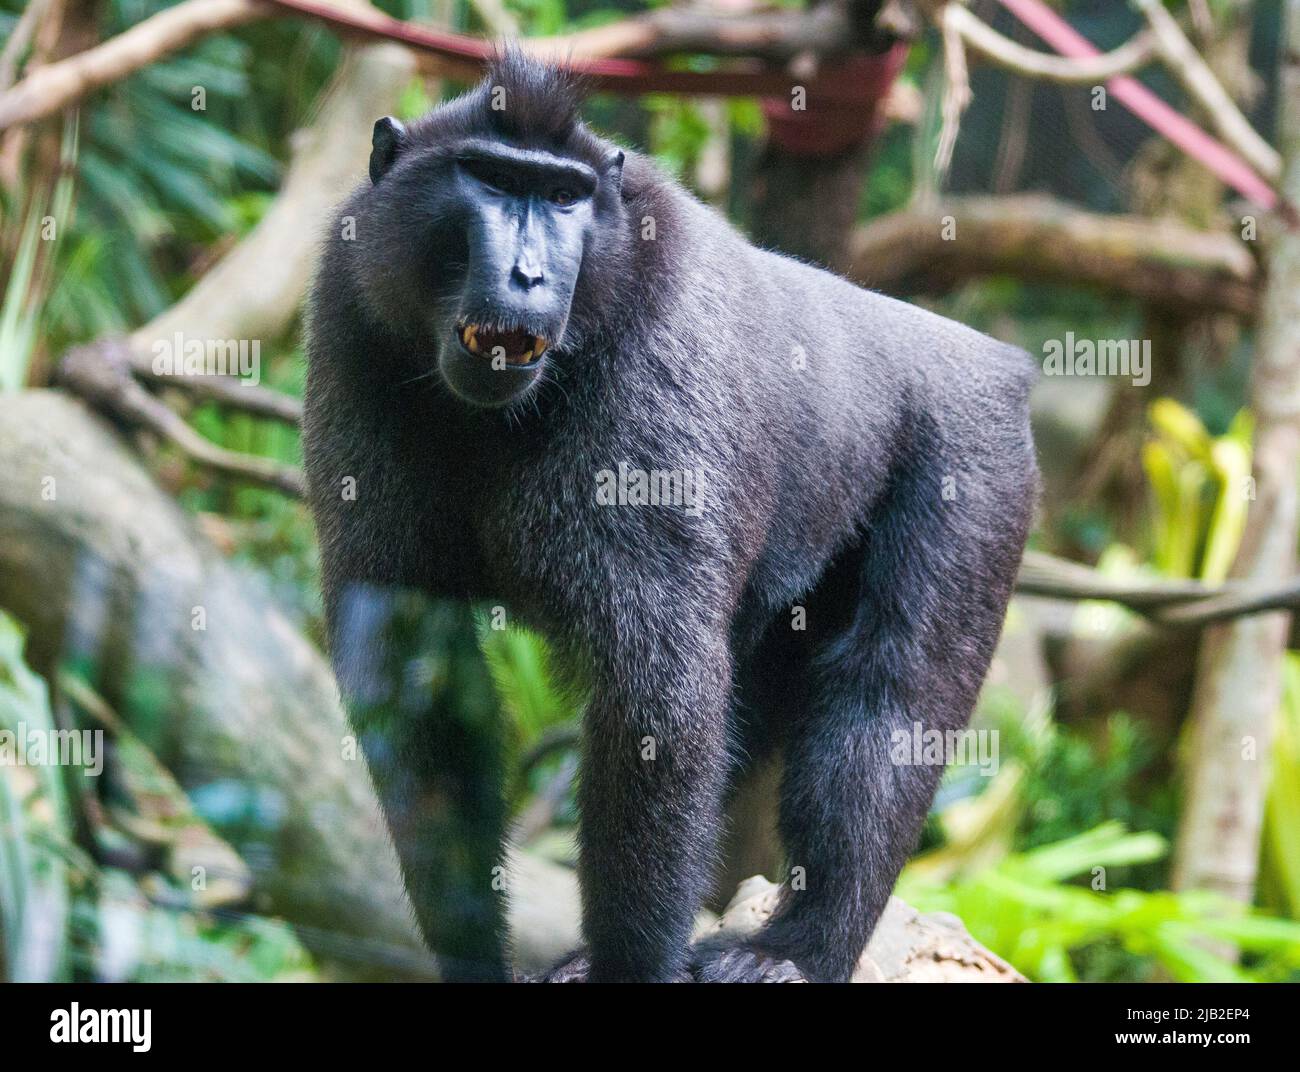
{"points": [[827, 423]]}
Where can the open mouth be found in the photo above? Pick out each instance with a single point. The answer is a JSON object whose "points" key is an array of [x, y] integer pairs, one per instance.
{"points": [[516, 347]]}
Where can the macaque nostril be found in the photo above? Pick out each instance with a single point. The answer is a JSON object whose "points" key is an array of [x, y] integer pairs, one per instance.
{"points": [[526, 276]]}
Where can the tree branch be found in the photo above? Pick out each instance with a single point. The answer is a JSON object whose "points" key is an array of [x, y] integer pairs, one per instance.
{"points": [[1187, 604], [1036, 237], [1239, 681], [1030, 63], [228, 392], [52, 88], [776, 36], [1245, 162], [1195, 76], [956, 90], [100, 373]]}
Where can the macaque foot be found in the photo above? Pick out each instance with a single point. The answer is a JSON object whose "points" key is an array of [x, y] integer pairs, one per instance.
{"points": [[572, 968], [576, 968], [741, 963]]}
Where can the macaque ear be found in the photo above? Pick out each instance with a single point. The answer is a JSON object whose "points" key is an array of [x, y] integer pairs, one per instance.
{"points": [[613, 170], [388, 140]]}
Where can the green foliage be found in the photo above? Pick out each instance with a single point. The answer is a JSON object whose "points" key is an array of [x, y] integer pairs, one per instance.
{"points": [[889, 187], [535, 700], [539, 18], [63, 915], [523, 673], [17, 318], [159, 180], [1010, 862], [270, 532], [678, 132], [157, 176], [1070, 778], [1081, 779], [1027, 909], [20, 316], [154, 943]]}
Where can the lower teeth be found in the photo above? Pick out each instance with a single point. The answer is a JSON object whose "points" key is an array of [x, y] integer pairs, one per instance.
{"points": [[469, 337]]}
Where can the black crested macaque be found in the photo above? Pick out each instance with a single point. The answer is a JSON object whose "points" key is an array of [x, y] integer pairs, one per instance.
{"points": [[761, 508]]}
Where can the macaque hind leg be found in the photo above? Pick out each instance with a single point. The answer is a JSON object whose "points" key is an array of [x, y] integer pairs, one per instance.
{"points": [[906, 625]]}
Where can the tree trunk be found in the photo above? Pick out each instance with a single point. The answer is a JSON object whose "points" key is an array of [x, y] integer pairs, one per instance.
{"points": [[1239, 681], [807, 206]]}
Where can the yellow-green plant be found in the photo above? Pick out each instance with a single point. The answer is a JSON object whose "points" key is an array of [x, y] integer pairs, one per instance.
{"points": [[1202, 489], [1280, 849]]}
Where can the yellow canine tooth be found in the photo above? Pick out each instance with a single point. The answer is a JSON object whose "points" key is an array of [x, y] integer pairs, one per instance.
{"points": [[528, 356]]}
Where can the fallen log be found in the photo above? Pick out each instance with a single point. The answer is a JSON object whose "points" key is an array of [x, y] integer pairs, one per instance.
{"points": [[907, 947]]}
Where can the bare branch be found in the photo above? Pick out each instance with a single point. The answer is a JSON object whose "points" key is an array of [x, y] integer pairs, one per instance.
{"points": [[1242, 159], [229, 392], [1046, 66], [100, 373], [1195, 76], [1186, 604], [956, 90], [777, 36], [1240, 671], [1036, 237], [54, 87], [1046, 575], [1234, 603]]}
